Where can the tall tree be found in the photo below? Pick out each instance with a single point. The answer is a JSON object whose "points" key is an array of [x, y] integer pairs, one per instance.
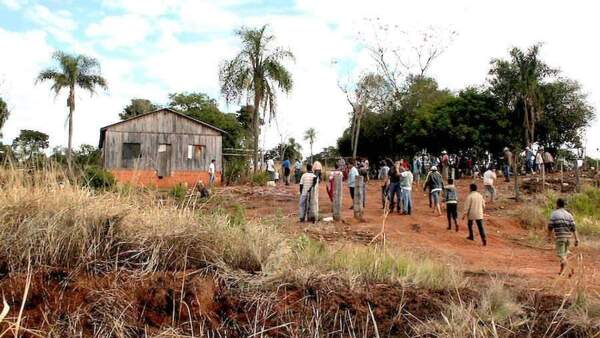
{"points": [[3, 114], [29, 144], [137, 107], [73, 71], [517, 82], [310, 135], [255, 72]]}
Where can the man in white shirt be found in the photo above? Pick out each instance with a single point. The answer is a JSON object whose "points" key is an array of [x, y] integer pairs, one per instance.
{"points": [[271, 169], [488, 182], [352, 174], [212, 173]]}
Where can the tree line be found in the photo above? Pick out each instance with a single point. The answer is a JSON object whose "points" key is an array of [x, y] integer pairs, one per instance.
{"points": [[524, 101]]}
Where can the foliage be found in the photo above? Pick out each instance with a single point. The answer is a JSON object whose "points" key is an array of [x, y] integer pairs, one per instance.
{"points": [[235, 170], [137, 107], [29, 144], [84, 156], [201, 107], [256, 71], [584, 207], [328, 156], [259, 178], [3, 114], [98, 178], [290, 150], [179, 191], [310, 135], [73, 71]]}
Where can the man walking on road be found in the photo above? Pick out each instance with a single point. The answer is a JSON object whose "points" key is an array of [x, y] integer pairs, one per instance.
{"points": [[474, 205], [451, 198], [562, 226], [435, 184], [488, 182]]}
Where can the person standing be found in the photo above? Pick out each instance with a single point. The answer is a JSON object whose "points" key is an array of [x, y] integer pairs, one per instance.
{"points": [[352, 174], [539, 161], [406, 190], [529, 160], [548, 162], [212, 173], [508, 161], [307, 183], [451, 199], [488, 183], [394, 189], [445, 161], [271, 169], [383, 176], [474, 205], [435, 183], [416, 169], [297, 171], [562, 228], [317, 169], [330, 186], [286, 171]]}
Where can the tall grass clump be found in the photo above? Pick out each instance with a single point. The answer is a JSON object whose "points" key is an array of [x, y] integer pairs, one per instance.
{"points": [[584, 313], [585, 210], [363, 264]]}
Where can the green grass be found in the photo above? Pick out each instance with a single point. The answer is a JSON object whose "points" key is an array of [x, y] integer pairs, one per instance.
{"points": [[585, 207]]}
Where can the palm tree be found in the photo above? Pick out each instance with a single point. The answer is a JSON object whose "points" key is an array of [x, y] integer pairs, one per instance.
{"points": [[73, 71], [310, 135], [256, 71]]}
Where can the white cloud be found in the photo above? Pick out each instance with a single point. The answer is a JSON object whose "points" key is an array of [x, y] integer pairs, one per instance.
{"points": [[205, 16], [150, 8], [58, 23], [127, 30], [13, 4]]}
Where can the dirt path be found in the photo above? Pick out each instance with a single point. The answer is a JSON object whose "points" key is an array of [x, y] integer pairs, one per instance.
{"points": [[508, 254]]}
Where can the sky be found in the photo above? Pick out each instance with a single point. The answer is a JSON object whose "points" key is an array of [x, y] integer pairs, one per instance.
{"points": [[150, 48]]}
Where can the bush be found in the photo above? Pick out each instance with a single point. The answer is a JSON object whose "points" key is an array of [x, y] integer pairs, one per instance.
{"points": [[179, 191], [235, 171], [260, 178], [98, 178]]}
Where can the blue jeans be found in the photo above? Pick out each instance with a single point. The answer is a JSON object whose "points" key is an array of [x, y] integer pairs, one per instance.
{"points": [[302, 212], [406, 201], [394, 189], [506, 172]]}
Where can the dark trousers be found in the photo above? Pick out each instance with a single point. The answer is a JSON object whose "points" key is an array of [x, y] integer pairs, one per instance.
{"points": [[352, 192], [479, 227], [384, 195], [452, 213], [394, 190]]}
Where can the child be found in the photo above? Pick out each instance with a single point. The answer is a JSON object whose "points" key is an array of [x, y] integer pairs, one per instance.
{"points": [[451, 198]]}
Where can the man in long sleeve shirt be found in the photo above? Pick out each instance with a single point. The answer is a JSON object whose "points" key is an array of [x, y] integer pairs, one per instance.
{"points": [[307, 182]]}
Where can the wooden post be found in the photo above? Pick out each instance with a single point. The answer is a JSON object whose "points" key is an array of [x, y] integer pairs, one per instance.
{"points": [[337, 197], [543, 177], [358, 197], [562, 177], [516, 173], [577, 188], [313, 211]]}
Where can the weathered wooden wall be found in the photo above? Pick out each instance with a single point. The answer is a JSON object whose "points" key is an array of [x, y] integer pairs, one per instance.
{"points": [[163, 128]]}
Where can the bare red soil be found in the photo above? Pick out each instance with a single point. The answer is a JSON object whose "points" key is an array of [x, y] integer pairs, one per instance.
{"points": [[508, 255]]}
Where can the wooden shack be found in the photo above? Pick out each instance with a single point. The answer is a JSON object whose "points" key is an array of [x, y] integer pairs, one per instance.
{"points": [[161, 148]]}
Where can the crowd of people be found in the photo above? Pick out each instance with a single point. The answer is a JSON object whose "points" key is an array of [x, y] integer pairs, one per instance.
{"points": [[436, 176]]}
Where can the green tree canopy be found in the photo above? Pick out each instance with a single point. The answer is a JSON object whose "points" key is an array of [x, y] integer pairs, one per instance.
{"points": [[201, 107], [3, 114], [137, 107], [29, 144]]}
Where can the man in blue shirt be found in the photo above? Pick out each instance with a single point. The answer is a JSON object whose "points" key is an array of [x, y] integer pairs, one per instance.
{"points": [[286, 171]]}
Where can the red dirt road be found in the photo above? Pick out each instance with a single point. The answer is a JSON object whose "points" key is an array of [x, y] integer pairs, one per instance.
{"points": [[509, 254]]}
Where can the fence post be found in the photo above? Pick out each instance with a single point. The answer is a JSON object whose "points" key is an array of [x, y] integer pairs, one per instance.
{"points": [[577, 187], [313, 211], [337, 197], [358, 197]]}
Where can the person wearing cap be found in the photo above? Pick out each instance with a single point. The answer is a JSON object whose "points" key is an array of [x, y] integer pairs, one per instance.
{"points": [[508, 161], [435, 184]]}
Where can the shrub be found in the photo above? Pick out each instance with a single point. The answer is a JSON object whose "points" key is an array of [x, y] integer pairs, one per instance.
{"points": [[179, 191], [98, 178], [260, 178]]}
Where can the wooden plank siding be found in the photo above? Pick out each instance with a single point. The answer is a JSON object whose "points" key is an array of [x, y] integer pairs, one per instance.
{"points": [[162, 127]]}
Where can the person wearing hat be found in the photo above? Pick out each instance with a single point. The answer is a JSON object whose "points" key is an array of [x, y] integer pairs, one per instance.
{"points": [[435, 184]]}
